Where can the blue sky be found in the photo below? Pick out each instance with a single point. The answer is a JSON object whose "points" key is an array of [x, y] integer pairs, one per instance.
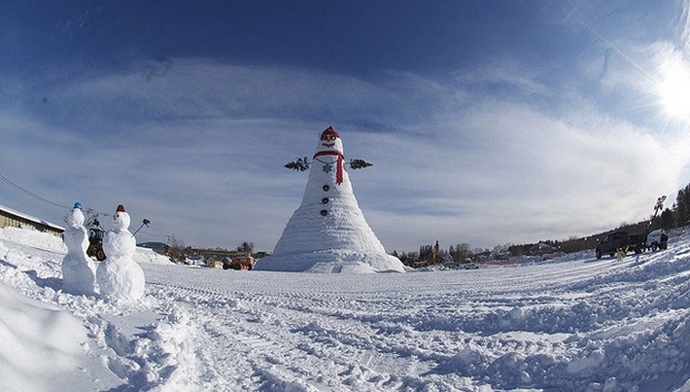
{"points": [[488, 122]]}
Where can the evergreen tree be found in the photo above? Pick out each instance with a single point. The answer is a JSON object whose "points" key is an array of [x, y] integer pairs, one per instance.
{"points": [[667, 219], [426, 252], [686, 203], [408, 258], [681, 208]]}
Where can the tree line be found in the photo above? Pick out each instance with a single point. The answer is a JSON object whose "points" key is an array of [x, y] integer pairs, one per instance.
{"points": [[678, 215], [457, 254]]}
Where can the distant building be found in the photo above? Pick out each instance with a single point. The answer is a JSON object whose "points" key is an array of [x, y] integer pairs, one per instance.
{"points": [[213, 262], [12, 218], [545, 251], [541, 249]]}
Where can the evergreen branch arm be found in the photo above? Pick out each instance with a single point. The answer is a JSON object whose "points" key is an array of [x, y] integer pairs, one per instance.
{"points": [[359, 164], [300, 164]]}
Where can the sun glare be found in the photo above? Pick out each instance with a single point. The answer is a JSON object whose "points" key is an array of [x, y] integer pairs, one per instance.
{"points": [[673, 90]]}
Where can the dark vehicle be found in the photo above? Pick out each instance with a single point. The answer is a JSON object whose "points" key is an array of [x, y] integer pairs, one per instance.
{"points": [[621, 241], [96, 243]]}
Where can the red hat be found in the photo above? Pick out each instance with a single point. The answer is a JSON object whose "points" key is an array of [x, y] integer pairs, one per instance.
{"points": [[120, 208], [329, 131]]}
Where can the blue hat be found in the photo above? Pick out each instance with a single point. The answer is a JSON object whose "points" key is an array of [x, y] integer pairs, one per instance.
{"points": [[77, 205]]}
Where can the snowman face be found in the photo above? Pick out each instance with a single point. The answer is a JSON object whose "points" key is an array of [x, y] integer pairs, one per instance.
{"points": [[121, 220], [76, 217], [330, 142]]}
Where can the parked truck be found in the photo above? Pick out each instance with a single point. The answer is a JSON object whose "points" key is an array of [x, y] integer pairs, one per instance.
{"points": [[239, 262], [621, 242]]}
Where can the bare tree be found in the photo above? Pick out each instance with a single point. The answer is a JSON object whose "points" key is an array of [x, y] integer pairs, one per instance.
{"points": [[246, 247]]}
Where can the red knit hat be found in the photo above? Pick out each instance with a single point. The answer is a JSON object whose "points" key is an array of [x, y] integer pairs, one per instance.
{"points": [[329, 132], [120, 208]]}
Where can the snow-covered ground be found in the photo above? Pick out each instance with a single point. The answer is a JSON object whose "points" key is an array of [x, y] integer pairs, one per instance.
{"points": [[576, 325]]}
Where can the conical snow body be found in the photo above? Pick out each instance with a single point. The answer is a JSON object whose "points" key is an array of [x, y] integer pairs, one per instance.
{"points": [[328, 232]]}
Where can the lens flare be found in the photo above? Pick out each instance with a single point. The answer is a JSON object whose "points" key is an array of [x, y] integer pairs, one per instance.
{"points": [[673, 89]]}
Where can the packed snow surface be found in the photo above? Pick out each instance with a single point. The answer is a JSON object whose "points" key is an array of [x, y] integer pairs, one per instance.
{"points": [[572, 324]]}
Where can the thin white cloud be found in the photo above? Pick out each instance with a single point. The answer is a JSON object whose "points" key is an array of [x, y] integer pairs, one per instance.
{"points": [[507, 72], [199, 151], [512, 167]]}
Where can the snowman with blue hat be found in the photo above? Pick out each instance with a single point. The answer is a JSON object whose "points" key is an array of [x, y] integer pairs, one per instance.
{"points": [[78, 270]]}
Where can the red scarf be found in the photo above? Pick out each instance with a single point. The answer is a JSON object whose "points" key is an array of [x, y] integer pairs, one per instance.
{"points": [[339, 170]]}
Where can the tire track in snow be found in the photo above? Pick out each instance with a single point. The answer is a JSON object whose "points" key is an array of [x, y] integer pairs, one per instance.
{"points": [[303, 346], [339, 337], [453, 330]]}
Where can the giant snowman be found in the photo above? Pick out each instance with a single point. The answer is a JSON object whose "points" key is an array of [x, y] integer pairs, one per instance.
{"points": [[78, 270], [119, 277], [327, 233]]}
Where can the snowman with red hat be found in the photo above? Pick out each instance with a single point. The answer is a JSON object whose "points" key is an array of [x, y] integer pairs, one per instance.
{"points": [[328, 233], [119, 277], [78, 270]]}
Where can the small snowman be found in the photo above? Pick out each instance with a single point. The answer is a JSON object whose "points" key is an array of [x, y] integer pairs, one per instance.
{"points": [[78, 270], [119, 277]]}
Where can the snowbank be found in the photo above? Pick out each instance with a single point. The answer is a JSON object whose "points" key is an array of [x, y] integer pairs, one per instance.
{"points": [[42, 348], [148, 256], [33, 238], [52, 243], [331, 261]]}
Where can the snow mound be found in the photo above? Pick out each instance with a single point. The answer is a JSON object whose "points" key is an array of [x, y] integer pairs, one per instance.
{"points": [[148, 256], [33, 238], [331, 261], [41, 346]]}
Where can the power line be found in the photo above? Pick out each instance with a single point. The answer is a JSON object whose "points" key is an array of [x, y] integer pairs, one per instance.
{"points": [[8, 181]]}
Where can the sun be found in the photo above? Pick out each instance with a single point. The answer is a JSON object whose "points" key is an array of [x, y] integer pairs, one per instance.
{"points": [[673, 89]]}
